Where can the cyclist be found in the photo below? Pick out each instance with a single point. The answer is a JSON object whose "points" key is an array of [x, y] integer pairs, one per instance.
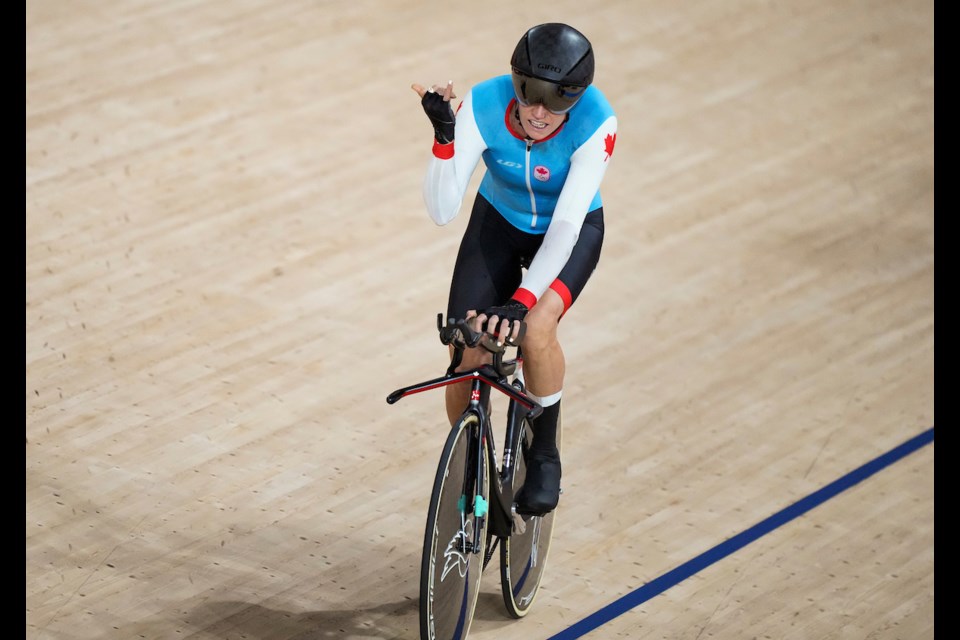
{"points": [[546, 135]]}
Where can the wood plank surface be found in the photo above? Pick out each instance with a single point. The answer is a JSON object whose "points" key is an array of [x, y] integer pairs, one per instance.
{"points": [[229, 266]]}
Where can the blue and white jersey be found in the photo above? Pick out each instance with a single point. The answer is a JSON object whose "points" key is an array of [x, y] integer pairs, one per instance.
{"points": [[524, 179], [540, 187]]}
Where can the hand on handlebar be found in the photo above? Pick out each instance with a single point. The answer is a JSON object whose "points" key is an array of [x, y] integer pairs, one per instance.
{"points": [[505, 322], [468, 333]]}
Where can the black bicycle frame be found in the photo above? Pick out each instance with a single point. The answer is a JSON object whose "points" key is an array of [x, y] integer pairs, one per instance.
{"points": [[483, 379]]}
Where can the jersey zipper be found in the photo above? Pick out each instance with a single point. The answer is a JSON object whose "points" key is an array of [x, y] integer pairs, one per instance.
{"points": [[533, 200]]}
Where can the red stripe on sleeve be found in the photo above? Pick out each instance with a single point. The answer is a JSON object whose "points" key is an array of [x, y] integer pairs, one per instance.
{"points": [[443, 151], [526, 297]]}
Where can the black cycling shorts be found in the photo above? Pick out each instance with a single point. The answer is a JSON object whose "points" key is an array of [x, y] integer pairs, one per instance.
{"points": [[493, 254]]}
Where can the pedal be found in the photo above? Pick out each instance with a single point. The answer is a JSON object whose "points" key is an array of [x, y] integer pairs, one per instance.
{"points": [[518, 524]]}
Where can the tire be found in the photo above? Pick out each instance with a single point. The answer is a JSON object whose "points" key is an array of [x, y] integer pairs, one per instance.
{"points": [[523, 556], [449, 573]]}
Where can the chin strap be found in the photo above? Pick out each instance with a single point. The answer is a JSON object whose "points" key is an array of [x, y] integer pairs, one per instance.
{"points": [[516, 114]]}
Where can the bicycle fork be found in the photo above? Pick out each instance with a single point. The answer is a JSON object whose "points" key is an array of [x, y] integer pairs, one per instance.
{"points": [[476, 481]]}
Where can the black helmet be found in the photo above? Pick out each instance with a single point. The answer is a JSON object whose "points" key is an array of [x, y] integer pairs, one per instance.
{"points": [[553, 65]]}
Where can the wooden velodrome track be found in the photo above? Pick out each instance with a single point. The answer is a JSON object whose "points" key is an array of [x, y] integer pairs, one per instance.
{"points": [[229, 266]]}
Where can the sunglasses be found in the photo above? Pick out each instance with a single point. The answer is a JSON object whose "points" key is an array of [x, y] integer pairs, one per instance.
{"points": [[554, 97]]}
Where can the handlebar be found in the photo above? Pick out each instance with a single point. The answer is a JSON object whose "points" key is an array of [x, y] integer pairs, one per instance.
{"points": [[461, 335]]}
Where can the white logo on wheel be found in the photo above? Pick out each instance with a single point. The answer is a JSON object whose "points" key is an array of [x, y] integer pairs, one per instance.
{"points": [[454, 559]]}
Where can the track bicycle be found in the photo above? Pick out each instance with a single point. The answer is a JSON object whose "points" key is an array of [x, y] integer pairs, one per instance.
{"points": [[472, 504]]}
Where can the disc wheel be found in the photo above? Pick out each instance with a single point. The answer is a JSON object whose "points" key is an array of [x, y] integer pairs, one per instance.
{"points": [[523, 556], [455, 538]]}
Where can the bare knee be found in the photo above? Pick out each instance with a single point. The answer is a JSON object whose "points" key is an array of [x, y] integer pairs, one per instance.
{"points": [[473, 358], [542, 324], [458, 395]]}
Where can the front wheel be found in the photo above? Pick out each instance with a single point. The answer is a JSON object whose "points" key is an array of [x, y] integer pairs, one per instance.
{"points": [[455, 537], [523, 555]]}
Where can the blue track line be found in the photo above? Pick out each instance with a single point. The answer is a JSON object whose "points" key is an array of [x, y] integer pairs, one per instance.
{"points": [[660, 584]]}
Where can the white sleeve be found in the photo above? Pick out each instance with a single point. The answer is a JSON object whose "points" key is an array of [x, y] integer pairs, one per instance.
{"points": [[587, 168], [446, 181]]}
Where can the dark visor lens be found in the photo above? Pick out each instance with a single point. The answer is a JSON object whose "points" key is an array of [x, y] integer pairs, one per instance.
{"points": [[556, 98]]}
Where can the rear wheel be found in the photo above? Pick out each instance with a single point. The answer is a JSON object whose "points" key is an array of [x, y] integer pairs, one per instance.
{"points": [[523, 555], [455, 537]]}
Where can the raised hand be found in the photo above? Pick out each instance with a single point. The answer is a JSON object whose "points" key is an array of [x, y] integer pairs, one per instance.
{"points": [[436, 104]]}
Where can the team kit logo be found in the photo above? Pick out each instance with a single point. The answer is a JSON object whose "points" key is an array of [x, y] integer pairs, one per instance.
{"points": [[542, 173]]}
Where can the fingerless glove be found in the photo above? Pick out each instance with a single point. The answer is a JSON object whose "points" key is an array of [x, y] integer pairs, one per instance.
{"points": [[441, 116], [510, 310]]}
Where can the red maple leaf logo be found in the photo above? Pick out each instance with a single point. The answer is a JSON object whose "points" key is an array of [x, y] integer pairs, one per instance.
{"points": [[608, 142]]}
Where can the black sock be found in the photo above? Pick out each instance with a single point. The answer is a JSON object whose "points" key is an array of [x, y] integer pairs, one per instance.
{"points": [[545, 430]]}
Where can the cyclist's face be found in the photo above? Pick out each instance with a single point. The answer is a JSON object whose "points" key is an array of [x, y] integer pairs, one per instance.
{"points": [[538, 122]]}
